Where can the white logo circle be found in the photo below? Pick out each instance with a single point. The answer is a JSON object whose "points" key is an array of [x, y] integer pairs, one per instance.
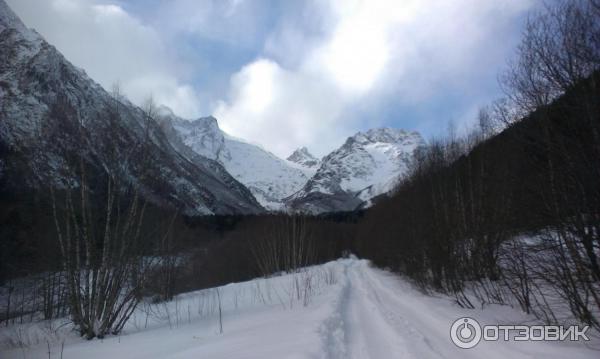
{"points": [[465, 333]]}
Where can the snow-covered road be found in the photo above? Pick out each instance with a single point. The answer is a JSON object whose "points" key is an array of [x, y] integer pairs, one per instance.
{"points": [[343, 309], [382, 316]]}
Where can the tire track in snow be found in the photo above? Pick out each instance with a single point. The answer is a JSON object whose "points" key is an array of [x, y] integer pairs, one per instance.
{"points": [[427, 333], [391, 307], [370, 333], [333, 329], [357, 327], [383, 319]]}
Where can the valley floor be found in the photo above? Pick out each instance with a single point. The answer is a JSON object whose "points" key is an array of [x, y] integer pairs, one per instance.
{"points": [[343, 309]]}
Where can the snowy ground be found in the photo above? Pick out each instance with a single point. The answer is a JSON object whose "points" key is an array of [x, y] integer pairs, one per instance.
{"points": [[343, 309]]}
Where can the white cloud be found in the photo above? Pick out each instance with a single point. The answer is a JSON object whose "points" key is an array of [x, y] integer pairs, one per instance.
{"points": [[112, 46], [359, 48], [362, 51], [281, 108], [322, 66]]}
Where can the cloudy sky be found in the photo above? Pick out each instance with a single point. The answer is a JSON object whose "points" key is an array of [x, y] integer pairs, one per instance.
{"points": [[295, 73]]}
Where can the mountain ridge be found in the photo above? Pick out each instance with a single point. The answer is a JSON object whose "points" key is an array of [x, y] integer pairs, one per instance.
{"points": [[52, 111], [268, 177], [367, 165], [304, 158]]}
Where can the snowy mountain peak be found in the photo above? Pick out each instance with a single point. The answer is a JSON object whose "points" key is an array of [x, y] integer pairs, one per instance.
{"points": [[11, 25], [208, 122], [9, 20], [304, 158], [205, 126], [202, 135], [12, 29], [368, 164], [384, 135], [268, 177]]}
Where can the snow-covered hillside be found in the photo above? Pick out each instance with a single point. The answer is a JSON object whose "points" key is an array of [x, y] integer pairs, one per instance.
{"points": [[52, 112], [368, 164], [342, 309], [268, 177]]}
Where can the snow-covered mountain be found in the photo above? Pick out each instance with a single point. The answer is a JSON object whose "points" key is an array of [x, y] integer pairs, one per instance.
{"points": [[52, 114], [366, 165], [304, 158], [52, 111], [268, 177]]}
